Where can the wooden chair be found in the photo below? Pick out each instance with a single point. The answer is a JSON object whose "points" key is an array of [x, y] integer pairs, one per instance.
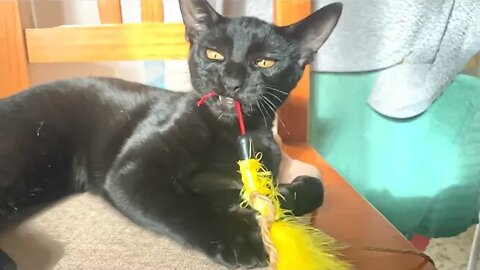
{"points": [[154, 40]]}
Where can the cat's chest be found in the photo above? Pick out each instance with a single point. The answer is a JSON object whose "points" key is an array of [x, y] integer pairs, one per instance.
{"points": [[217, 166], [221, 155], [216, 169], [220, 151]]}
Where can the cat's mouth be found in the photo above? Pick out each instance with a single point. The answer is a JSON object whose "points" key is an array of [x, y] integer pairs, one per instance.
{"points": [[226, 105], [223, 106], [225, 101]]}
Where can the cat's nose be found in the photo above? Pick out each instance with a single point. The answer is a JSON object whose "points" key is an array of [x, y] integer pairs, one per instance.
{"points": [[232, 85], [233, 77]]}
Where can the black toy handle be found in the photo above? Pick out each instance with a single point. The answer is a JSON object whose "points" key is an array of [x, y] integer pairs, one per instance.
{"points": [[245, 147]]}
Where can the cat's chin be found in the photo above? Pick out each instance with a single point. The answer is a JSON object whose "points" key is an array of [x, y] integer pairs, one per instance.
{"points": [[227, 118], [223, 113], [223, 108]]}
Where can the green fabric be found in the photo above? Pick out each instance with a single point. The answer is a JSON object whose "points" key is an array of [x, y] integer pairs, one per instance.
{"points": [[423, 173]]}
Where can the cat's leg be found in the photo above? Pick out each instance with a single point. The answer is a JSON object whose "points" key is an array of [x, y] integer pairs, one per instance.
{"points": [[153, 198]]}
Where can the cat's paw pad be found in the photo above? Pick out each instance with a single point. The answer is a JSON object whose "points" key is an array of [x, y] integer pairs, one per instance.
{"points": [[242, 252], [242, 247]]}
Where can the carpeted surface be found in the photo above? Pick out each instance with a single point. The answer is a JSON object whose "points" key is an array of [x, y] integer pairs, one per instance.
{"points": [[84, 232], [451, 253]]}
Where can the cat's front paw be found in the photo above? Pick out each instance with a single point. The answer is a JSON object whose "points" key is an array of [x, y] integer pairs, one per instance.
{"points": [[303, 195], [242, 252], [241, 246]]}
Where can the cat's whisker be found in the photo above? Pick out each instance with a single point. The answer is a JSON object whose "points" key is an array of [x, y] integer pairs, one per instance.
{"points": [[251, 107], [264, 118], [266, 110], [273, 110], [276, 89], [220, 116], [271, 104], [249, 103], [279, 100]]}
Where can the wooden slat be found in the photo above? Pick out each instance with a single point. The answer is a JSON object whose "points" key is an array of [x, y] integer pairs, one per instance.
{"points": [[152, 10], [110, 11], [13, 60], [294, 112], [142, 41]]}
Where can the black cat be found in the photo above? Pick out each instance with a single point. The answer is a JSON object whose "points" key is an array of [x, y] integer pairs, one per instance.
{"points": [[165, 163]]}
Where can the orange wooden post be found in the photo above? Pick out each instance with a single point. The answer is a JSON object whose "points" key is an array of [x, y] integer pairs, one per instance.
{"points": [[294, 112], [110, 11], [13, 58], [152, 10]]}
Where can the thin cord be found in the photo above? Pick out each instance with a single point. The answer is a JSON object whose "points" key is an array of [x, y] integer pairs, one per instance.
{"points": [[204, 98], [265, 223], [241, 123], [399, 251]]}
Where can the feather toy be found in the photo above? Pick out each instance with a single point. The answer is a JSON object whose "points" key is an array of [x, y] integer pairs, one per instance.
{"points": [[290, 243]]}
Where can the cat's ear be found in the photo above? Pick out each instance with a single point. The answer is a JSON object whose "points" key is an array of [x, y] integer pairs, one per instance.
{"points": [[312, 32], [197, 15]]}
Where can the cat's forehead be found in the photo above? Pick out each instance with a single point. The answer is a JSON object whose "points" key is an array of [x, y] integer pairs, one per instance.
{"points": [[251, 29], [243, 32], [248, 25]]}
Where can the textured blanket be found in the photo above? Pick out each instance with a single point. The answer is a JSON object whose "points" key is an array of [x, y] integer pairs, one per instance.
{"points": [[418, 47]]}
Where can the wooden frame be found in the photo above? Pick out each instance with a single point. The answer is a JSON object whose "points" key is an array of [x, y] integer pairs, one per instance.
{"points": [[110, 11], [13, 59], [110, 42], [287, 12], [152, 11]]}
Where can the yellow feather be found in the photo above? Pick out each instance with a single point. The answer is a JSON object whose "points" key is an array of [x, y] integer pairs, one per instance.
{"points": [[304, 248], [298, 246]]}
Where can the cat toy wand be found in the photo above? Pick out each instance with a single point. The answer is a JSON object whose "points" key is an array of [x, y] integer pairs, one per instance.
{"points": [[290, 243]]}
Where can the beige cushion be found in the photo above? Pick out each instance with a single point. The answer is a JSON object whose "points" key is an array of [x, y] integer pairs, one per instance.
{"points": [[84, 232]]}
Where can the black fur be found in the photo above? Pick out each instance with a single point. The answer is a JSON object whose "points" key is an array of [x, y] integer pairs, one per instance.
{"points": [[165, 163]]}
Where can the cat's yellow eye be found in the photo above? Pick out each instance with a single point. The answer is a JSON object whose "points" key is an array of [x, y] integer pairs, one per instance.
{"points": [[265, 63], [214, 55]]}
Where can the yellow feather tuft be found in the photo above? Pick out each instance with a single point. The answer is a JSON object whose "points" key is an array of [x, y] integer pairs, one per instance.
{"points": [[296, 245], [305, 248]]}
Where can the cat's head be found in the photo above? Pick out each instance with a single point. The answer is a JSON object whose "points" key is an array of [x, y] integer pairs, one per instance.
{"points": [[248, 59]]}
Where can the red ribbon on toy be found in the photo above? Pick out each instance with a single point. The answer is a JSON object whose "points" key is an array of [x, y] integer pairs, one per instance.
{"points": [[241, 123], [238, 109], [204, 98]]}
